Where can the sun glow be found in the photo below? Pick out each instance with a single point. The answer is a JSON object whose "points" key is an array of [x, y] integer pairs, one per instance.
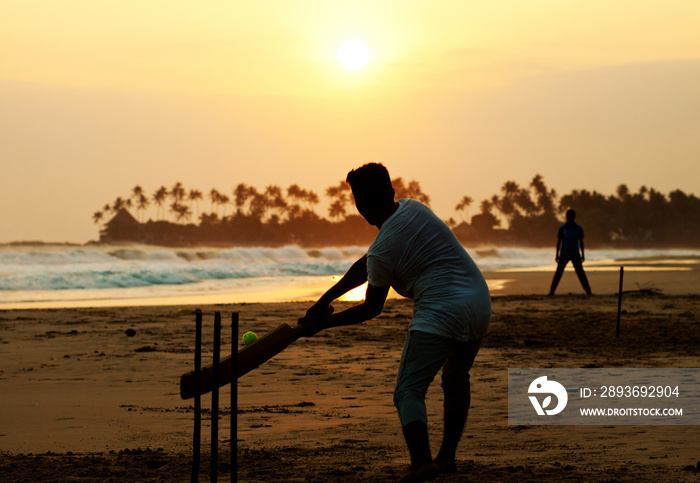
{"points": [[353, 55], [355, 295]]}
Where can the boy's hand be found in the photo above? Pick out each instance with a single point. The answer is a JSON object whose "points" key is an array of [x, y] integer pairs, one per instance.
{"points": [[319, 310], [312, 323]]}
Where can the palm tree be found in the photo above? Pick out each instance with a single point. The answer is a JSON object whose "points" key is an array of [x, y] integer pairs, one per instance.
{"points": [[136, 192], [337, 210], [296, 196], [506, 203], [177, 193], [340, 196], [159, 198], [182, 212], [311, 199], [545, 198], [195, 195], [464, 205], [223, 201], [214, 196], [486, 205], [142, 203], [97, 216], [623, 192], [485, 221], [258, 204], [412, 190], [139, 198], [118, 205], [241, 195], [275, 200]]}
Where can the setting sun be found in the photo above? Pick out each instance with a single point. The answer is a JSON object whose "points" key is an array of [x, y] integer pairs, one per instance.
{"points": [[353, 55]]}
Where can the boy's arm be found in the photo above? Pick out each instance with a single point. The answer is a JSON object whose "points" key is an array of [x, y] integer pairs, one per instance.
{"points": [[353, 278], [370, 308], [556, 255], [583, 255]]}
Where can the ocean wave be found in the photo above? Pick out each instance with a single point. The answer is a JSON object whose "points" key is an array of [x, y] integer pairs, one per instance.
{"points": [[60, 256], [144, 267], [66, 268], [51, 257]]}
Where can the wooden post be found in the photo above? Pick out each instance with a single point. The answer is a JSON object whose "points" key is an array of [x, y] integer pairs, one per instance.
{"points": [[196, 440], [215, 400], [619, 302], [234, 399]]}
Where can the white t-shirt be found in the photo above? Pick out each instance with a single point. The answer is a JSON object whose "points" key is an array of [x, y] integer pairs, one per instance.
{"points": [[419, 256]]}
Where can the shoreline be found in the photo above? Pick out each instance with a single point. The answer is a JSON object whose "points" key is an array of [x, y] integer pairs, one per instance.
{"points": [[671, 277], [672, 280]]}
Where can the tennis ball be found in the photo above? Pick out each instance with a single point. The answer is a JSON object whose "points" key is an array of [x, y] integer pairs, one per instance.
{"points": [[249, 337]]}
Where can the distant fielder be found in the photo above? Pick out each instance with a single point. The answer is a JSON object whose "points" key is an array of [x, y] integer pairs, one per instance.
{"points": [[569, 239], [419, 256]]}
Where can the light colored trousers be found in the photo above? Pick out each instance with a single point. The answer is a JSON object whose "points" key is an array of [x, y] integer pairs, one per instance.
{"points": [[424, 354]]}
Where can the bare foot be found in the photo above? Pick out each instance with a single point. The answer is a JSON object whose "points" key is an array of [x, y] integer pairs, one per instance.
{"points": [[445, 465], [422, 473]]}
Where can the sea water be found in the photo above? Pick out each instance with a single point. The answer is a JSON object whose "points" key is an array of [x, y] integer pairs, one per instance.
{"points": [[74, 276]]}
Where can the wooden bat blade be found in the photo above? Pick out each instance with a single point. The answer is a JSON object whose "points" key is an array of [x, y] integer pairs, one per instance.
{"points": [[266, 348], [248, 359]]}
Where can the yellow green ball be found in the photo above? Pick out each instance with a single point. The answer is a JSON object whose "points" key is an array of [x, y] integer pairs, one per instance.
{"points": [[249, 337]]}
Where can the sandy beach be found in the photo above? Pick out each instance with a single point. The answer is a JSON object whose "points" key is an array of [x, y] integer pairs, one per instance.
{"points": [[84, 401]]}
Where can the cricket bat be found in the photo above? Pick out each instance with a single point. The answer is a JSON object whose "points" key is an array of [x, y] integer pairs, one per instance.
{"points": [[248, 358]]}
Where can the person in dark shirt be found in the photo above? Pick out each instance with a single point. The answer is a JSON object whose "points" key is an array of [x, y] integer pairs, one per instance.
{"points": [[569, 239]]}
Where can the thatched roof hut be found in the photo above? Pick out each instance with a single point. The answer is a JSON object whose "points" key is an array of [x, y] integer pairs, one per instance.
{"points": [[122, 227]]}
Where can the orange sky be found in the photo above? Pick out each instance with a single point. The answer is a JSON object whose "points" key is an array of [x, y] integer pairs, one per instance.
{"points": [[96, 97]]}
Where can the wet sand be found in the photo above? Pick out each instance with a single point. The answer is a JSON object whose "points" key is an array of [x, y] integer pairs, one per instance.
{"points": [[84, 401]]}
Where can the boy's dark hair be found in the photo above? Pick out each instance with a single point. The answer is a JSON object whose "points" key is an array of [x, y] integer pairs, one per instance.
{"points": [[371, 183], [570, 214]]}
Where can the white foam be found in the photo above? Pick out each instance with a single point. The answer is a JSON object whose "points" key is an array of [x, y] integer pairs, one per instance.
{"points": [[36, 271], [56, 269]]}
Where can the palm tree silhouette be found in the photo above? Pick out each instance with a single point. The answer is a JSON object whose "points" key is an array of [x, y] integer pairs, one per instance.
{"points": [[340, 196], [274, 200], [214, 196], [195, 195], [118, 205], [296, 197], [223, 201], [258, 204], [136, 191], [412, 190], [337, 210], [142, 204], [545, 198], [138, 197], [463, 205], [181, 212], [240, 196], [177, 193], [159, 198]]}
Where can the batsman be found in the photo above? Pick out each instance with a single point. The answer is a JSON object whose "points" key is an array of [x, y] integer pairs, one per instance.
{"points": [[418, 255]]}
